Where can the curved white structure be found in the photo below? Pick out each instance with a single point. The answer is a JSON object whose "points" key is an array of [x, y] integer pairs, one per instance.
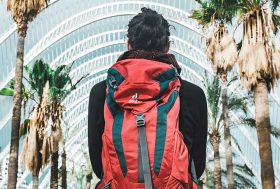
{"points": [[92, 35]]}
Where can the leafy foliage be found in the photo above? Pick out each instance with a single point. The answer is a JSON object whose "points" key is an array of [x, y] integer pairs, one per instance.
{"points": [[276, 22], [242, 173], [213, 93], [24, 128], [38, 76], [220, 11], [59, 80], [244, 176], [236, 103], [6, 92], [244, 168], [274, 5], [205, 14], [43, 128], [251, 122]]}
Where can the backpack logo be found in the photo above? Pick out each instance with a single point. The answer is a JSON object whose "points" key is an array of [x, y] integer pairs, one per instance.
{"points": [[134, 98]]}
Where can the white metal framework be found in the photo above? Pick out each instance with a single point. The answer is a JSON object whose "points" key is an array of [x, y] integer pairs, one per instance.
{"points": [[189, 51]]}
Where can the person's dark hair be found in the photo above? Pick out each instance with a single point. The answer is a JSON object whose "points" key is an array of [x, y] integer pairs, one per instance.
{"points": [[148, 30]]}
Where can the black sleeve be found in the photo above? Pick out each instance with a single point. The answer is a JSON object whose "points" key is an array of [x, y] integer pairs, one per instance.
{"points": [[193, 123], [96, 126], [200, 138]]}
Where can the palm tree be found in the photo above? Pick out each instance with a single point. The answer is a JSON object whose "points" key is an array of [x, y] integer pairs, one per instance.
{"points": [[51, 87], [60, 87], [213, 92], [259, 66], [222, 53], [23, 11], [33, 156], [258, 61], [236, 103], [64, 157]]}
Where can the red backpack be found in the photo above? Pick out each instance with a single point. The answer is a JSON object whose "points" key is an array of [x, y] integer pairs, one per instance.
{"points": [[142, 144]]}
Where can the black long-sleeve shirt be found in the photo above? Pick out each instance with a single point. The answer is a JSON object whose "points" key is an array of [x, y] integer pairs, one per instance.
{"points": [[192, 124]]}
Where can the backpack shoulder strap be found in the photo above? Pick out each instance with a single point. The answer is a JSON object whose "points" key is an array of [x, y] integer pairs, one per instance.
{"points": [[145, 170]]}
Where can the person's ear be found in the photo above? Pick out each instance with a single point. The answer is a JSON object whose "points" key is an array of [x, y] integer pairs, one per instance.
{"points": [[128, 45], [167, 47]]}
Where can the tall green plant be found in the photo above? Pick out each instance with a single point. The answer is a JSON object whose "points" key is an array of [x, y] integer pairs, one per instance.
{"points": [[213, 93]]}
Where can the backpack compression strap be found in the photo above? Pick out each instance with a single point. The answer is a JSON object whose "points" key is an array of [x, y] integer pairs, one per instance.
{"points": [[145, 170]]}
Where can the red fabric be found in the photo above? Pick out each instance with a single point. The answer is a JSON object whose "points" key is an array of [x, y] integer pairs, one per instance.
{"points": [[151, 55], [100, 185], [139, 74], [137, 95]]}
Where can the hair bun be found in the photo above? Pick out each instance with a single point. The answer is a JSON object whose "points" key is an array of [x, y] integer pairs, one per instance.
{"points": [[146, 10], [151, 20]]}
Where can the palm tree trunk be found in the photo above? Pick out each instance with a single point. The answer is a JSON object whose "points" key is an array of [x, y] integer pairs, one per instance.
{"points": [[54, 171], [227, 136], [215, 141], [35, 181], [263, 132], [13, 159], [64, 172]]}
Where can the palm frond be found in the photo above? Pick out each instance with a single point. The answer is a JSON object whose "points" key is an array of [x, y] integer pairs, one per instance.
{"points": [[236, 103], [24, 11], [237, 144], [73, 87], [259, 57], [38, 76], [60, 82], [251, 122], [213, 93], [24, 128], [244, 169], [220, 11], [275, 131], [274, 5], [276, 21], [243, 182], [204, 15], [6, 92], [221, 50], [248, 6], [11, 84], [232, 80]]}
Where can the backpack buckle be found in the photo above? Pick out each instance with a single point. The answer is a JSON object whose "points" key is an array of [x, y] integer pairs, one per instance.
{"points": [[112, 82], [140, 120]]}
